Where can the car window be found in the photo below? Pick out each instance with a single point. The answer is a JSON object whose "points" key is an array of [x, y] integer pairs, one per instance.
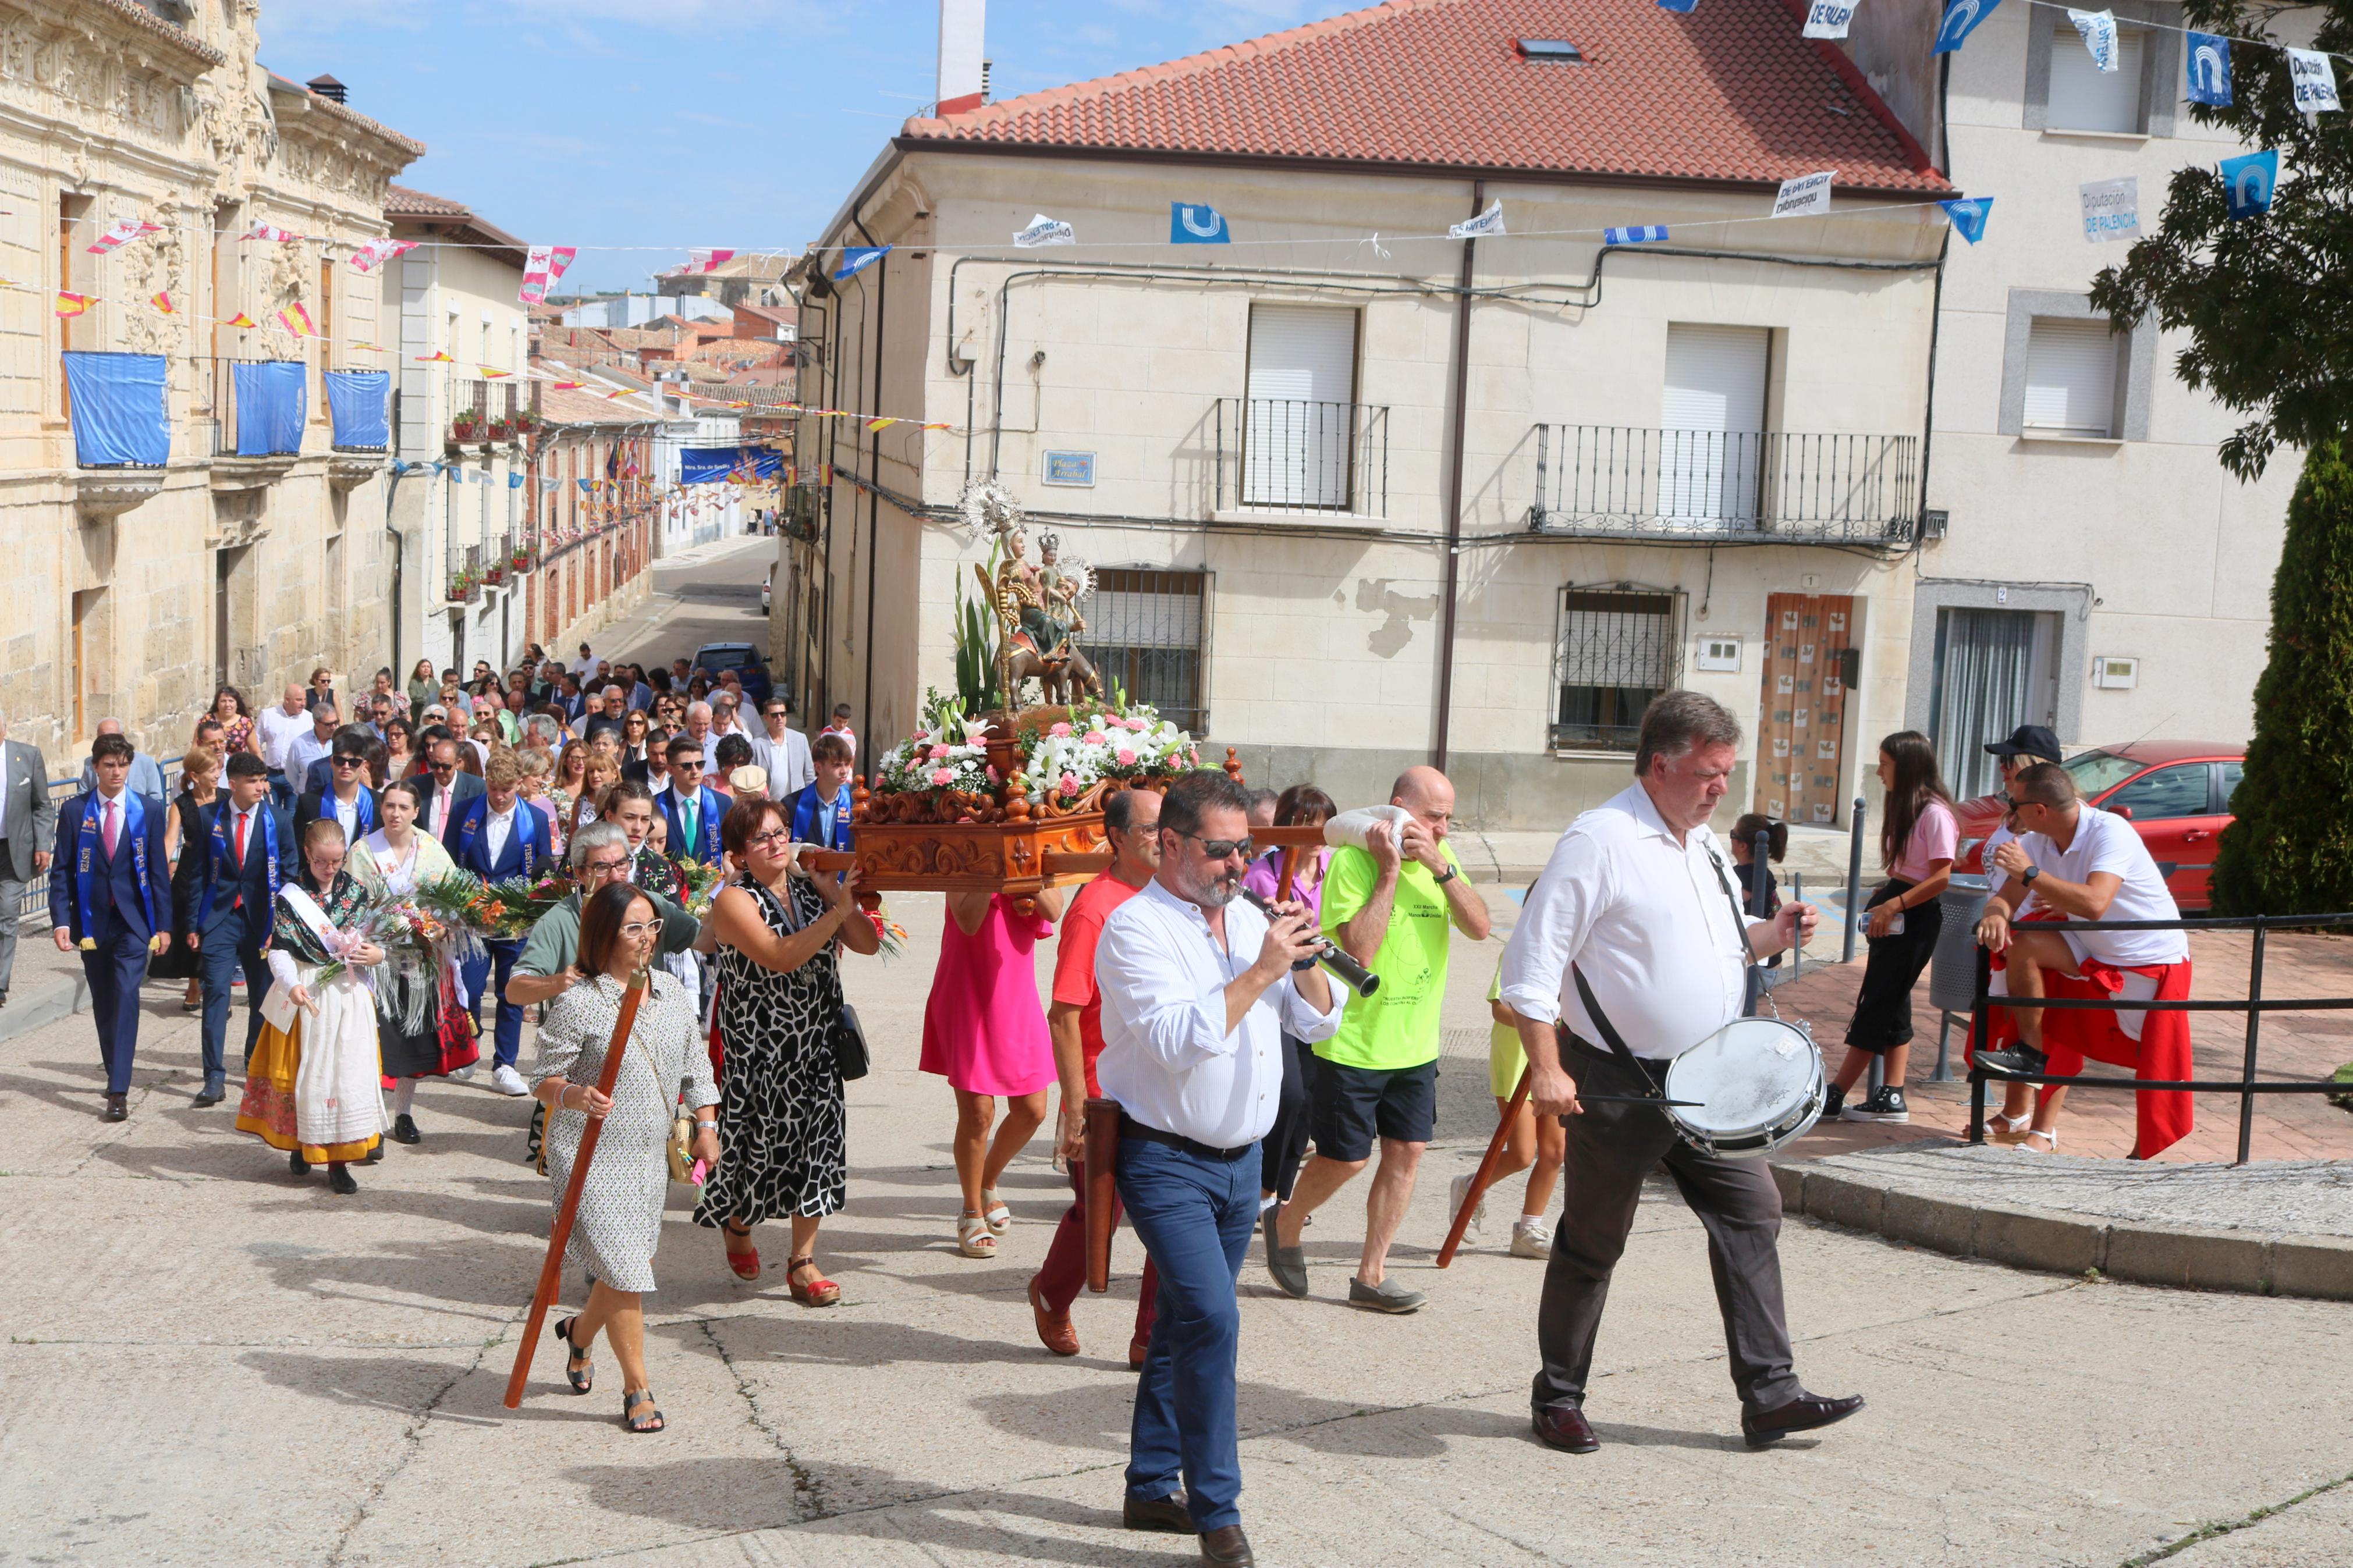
{"points": [[2230, 774], [2177, 791], [2098, 770]]}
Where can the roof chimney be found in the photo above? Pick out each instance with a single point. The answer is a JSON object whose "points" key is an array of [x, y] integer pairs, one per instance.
{"points": [[963, 82], [326, 86]]}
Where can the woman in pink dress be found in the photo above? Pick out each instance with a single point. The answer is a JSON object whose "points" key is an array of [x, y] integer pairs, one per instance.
{"points": [[986, 1034]]}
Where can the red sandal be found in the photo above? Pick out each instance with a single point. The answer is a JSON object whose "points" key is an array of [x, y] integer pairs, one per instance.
{"points": [[823, 1292], [745, 1264]]}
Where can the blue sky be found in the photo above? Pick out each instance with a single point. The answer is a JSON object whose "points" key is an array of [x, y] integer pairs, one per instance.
{"points": [[673, 123]]}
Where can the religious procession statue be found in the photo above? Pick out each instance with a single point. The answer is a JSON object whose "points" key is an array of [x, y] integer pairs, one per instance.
{"points": [[1037, 613]]}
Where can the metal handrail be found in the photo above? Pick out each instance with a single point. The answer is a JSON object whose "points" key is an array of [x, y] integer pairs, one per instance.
{"points": [[2254, 1006], [1630, 481]]}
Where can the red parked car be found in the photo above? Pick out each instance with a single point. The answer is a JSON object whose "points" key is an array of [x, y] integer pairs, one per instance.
{"points": [[2176, 792]]}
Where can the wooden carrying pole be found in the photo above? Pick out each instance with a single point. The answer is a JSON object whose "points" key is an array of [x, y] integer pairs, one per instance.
{"points": [[551, 1273], [1486, 1171], [1103, 1188]]}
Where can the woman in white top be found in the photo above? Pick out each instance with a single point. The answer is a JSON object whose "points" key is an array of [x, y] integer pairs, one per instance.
{"points": [[395, 861]]}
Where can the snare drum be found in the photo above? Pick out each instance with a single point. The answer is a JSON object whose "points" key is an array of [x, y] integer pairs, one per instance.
{"points": [[1759, 1085]]}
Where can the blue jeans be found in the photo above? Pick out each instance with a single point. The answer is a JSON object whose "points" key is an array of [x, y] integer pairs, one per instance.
{"points": [[1195, 1216], [490, 972]]}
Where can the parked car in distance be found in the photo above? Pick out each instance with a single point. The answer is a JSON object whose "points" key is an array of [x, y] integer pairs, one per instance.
{"points": [[744, 659], [766, 582], [2176, 795]]}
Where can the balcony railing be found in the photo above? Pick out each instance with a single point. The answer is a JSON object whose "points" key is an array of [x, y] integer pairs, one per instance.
{"points": [[1281, 454], [1628, 483], [465, 574]]}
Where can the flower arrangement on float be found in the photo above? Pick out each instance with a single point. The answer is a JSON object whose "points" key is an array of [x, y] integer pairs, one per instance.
{"points": [[1103, 741], [947, 753]]}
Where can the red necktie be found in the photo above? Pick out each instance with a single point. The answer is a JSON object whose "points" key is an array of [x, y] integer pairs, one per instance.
{"points": [[238, 903], [107, 830]]}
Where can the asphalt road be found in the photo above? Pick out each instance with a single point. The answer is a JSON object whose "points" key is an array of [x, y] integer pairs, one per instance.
{"points": [[710, 593]]}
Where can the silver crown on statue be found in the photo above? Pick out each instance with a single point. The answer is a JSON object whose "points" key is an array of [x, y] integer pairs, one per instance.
{"points": [[989, 508]]}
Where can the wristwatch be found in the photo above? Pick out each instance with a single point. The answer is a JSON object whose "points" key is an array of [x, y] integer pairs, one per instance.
{"points": [[2029, 874], [1444, 877]]}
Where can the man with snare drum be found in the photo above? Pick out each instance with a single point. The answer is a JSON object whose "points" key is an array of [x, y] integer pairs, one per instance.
{"points": [[1637, 903]]}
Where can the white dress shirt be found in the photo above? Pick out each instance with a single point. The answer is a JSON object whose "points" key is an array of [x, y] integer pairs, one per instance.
{"points": [[302, 750], [496, 825], [1644, 919], [347, 811], [1167, 1058], [279, 730], [436, 814], [789, 767]]}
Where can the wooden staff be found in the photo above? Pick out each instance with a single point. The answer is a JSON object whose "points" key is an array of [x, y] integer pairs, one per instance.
{"points": [[1103, 1188], [1486, 1171], [551, 1273]]}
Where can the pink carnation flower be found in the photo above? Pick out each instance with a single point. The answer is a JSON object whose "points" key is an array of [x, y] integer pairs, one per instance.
{"points": [[1126, 758], [991, 771], [1096, 738], [1057, 729], [939, 754], [943, 776], [1136, 724], [1070, 783]]}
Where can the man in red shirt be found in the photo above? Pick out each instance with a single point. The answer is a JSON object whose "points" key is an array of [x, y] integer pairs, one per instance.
{"points": [[1132, 822]]}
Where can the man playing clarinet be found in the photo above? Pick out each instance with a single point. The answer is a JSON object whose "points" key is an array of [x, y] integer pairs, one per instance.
{"points": [[1634, 935], [1198, 990]]}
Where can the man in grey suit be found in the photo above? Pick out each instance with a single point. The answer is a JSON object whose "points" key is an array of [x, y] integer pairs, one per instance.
{"points": [[28, 822]]}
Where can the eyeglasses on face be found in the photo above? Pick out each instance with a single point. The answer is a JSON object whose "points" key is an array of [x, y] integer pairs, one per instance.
{"points": [[1219, 848], [774, 835], [442, 767], [609, 867], [638, 930]]}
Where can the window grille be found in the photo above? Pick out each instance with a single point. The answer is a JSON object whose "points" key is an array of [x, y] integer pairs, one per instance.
{"points": [[1147, 635], [1616, 650]]}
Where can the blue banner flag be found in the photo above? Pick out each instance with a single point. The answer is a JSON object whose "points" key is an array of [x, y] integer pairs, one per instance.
{"points": [[1651, 234], [357, 401], [856, 259], [1968, 216], [514, 481], [2247, 183], [1961, 19], [2207, 60], [117, 404], [273, 397], [1193, 224]]}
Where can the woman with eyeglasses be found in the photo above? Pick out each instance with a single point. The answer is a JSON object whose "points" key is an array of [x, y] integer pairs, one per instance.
{"points": [[637, 735], [394, 861], [782, 1123], [314, 1087], [619, 1226], [986, 1034]]}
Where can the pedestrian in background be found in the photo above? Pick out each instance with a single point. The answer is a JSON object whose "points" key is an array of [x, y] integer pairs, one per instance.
{"points": [[145, 777], [1285, 1143], [190, 820], [28, 825], [277, 730]]}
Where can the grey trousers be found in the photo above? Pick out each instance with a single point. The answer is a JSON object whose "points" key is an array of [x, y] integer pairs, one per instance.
{"points": [[12, 897], [1611, 1148]]}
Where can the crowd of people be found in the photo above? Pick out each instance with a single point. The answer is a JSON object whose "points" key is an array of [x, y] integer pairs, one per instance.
{"points": [[1251, 1089]]}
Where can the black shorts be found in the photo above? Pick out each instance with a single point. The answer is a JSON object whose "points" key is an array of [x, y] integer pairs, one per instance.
{"points": [[1350, 1105]]}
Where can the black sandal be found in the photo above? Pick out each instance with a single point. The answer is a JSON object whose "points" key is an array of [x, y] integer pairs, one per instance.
{"points": [[651, 1422], [583, 1377]]}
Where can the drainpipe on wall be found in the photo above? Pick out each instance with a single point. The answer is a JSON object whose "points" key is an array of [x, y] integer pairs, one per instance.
{"points": [[873, 467], [1454, 489], [391, 489]]}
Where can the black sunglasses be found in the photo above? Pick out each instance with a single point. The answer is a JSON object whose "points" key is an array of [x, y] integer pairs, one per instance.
{"points": [[351, 762], [1217, 849]]}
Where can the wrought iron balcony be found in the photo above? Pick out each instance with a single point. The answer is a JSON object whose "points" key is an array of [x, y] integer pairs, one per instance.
{"points": [[1280, 454], [1621, 481]]}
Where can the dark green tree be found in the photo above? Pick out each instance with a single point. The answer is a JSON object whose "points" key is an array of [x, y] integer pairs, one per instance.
{"points": [[2266, 303]]}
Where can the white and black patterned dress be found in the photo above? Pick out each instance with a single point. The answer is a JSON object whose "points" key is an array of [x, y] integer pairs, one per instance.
{"points": [[619, 1224], [782, 1127]]}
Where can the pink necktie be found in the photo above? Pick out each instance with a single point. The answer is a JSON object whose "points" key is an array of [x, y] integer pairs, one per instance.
{"points": [[106, 829]]}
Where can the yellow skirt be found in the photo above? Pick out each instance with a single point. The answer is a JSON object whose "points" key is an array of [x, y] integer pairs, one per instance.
{"points": [[267, 1108]]}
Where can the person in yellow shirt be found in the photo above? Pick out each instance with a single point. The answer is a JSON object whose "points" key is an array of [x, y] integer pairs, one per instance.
{"points": [[1534, 1144]]}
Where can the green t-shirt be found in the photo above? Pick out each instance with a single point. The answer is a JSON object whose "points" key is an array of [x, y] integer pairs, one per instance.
{"points": [[1396, 1027], [553, 944]]}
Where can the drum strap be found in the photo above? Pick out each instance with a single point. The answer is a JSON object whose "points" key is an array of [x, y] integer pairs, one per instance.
{"points": [[1609, 1035], [1753, 972]]}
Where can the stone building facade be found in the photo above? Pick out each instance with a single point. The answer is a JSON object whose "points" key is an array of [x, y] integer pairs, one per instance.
{"points": [[136, 592]]}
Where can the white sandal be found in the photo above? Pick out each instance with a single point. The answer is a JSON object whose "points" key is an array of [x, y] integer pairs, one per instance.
{"points": [[993, 1210], [973, 1238], [2000, 1126], [2032, 1133]]}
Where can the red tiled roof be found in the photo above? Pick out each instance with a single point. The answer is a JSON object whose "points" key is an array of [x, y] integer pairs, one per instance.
{"points": [[400, 201], [1730, 91]]}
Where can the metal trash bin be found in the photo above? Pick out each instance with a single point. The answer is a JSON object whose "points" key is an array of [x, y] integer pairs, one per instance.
{"points": [[1953, 970]]}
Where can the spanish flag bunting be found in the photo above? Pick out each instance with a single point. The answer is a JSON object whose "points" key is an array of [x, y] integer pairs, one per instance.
{"points": [[878, 424], [240, 319], [162, 301], [370, 348], [570, 386], [942, 425], [297, 320], [435, 359], [72, 304], [490, 375]]}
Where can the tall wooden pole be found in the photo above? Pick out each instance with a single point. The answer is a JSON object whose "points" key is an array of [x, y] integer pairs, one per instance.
{"points": [[551, 1273], [1486, 1171]]}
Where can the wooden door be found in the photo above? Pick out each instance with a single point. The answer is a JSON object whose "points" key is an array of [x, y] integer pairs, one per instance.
{"points": [[1803, 714]]}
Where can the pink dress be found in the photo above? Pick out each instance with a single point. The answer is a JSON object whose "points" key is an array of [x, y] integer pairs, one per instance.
{"points": [[983, 1029]]}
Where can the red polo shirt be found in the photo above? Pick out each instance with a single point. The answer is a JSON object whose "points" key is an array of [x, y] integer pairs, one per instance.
{"points": [[1074, 963]]}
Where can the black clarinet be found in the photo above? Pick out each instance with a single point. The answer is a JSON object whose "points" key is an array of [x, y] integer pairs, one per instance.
{"points": [[1342, 968]]}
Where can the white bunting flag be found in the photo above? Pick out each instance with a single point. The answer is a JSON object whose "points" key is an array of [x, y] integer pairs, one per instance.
{"points": [[270, 232], [1486, 225], [127, 229], [2314, 79], [1044, 230], [543, 266], [376, 252], [2099, 33], [1829, 19], [2112, 210], [1805, 194]]}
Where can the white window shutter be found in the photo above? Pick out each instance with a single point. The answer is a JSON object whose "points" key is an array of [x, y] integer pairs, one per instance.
{"points": [[2071, 377], [2084, 98], [1713, 420], [1298, 418]]}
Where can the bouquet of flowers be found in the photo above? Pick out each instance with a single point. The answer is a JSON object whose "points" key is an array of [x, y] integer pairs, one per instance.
{"points": [[890, 933], [947, 755], [506, 909], [701, 885], [1072, 756], [420, 939]]}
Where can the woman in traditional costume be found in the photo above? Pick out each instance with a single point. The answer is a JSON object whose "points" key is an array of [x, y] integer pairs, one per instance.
{"points": [[313, 1087], [423, 1032]]}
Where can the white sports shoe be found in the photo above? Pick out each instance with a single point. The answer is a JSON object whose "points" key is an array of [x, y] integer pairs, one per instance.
{"points": [[506, 1080], [1530, 1238], [464, 1074], [1456, 1192]]}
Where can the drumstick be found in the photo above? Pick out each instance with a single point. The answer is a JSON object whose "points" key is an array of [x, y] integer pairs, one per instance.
{"points": [[1584, 1098], [1486, 1171]]}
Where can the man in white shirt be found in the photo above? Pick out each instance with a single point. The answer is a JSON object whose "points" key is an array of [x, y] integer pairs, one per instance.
{"points": [[585, 665], [1637, 900], [699, 730], [783, 752], [1197, 992], [279, 728], [841, 726], [2085, 864], [318, 741]]}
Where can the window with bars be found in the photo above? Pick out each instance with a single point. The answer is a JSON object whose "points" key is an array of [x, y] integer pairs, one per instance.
{"points": [[1146, 633], [1616, 650]]}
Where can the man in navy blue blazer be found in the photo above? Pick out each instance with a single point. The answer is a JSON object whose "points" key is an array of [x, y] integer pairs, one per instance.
{"points": [[225, 896], [819, 812], [497, 835], [690, 809], [111, 896]]}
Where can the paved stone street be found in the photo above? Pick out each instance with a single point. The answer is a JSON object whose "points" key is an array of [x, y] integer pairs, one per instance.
{"points": [[210, 1362]]}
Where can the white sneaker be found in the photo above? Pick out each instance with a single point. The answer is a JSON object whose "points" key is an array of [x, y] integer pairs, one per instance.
{"points": [[464, 1074], [1456, 1192], [506, 1080], [1530, 1238]]}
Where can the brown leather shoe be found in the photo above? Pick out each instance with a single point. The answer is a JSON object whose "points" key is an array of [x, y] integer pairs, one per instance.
{"points": [[1168, 1513], [1054, 1329], [1802, 1414], [116, 1110], [1137, 1350], [1226, 1547], [1564, 1427]]}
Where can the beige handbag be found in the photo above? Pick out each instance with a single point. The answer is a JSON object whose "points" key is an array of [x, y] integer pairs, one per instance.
{"points": [[680, 1149]]}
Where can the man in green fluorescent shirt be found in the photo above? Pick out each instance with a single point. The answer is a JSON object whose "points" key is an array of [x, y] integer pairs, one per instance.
{"points": [[1392, 905]]}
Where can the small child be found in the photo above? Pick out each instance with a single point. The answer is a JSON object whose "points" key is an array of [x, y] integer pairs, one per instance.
{"points": [[1537, 1143], [1744, 855]]}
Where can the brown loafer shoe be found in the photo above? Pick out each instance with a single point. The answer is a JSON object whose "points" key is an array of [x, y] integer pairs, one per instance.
{"points": [[1226, 1547], [1564, 1427], [1168, 1513], [1136, 1351], [116, 1110], [1802, 1414], [1054, 1329]]}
